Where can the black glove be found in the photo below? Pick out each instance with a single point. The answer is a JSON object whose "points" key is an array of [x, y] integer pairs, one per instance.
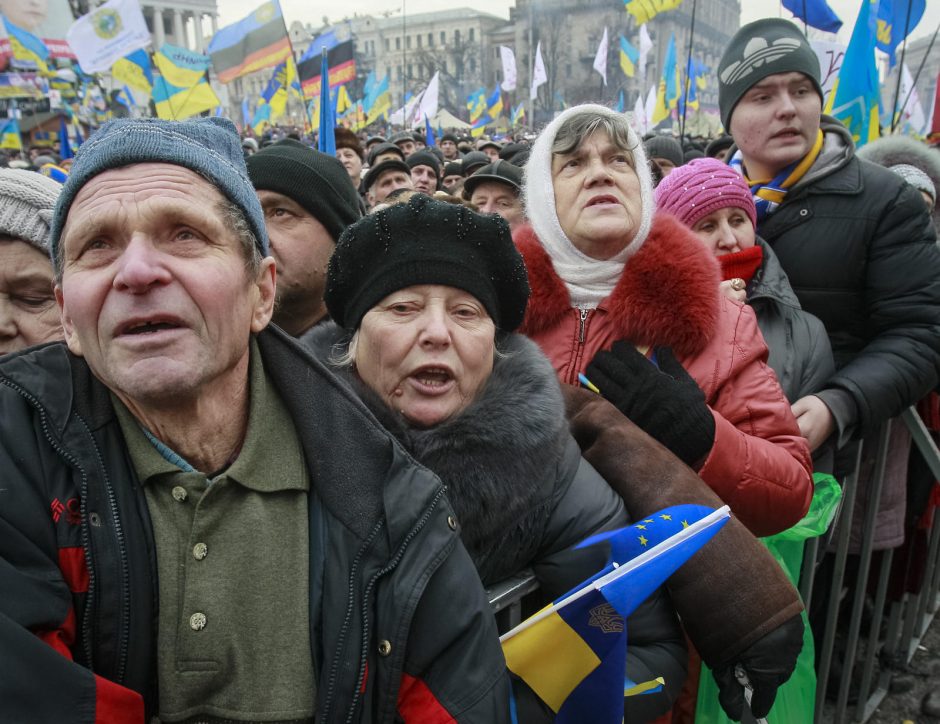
{"points": [[666, 402], [768, 663]]}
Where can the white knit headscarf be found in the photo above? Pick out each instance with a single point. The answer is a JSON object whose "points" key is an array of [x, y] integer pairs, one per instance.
{"points": [[589, 281]]}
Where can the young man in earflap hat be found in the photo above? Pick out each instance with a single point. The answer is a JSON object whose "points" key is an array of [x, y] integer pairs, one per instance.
{"points": [[855, 241]]}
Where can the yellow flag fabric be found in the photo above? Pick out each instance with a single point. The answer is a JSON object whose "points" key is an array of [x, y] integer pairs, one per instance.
{"points": [[178, 74], [646, 10], [130, 74], [174, 103], [552, 678], [660, 111]]}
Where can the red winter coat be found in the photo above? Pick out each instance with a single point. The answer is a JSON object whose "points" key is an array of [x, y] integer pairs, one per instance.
{"points": [[668, 295]]}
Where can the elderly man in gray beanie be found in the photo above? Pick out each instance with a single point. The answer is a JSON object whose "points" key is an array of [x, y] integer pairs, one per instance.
{"points": [[196, 521], [28, 313]]}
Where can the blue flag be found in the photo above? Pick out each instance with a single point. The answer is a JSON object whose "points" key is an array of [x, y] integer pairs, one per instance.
{"points": [[855, 96], [326, 139], [65, 145], [620, 102], [429, 139], [572, 654], [895, 21], [815, 13]]}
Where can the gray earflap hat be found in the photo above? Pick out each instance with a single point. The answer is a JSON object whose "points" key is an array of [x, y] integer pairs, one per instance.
{"points": [[759, 49]]}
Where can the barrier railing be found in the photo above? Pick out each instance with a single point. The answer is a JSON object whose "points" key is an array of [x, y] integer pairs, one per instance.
{"points": [[892, 636]]}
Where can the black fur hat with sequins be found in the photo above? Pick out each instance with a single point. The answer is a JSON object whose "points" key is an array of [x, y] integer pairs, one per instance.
{"points": [[425, 241]]}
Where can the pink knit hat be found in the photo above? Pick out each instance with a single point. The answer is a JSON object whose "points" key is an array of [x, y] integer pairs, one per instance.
{"points": [[702, 186]]}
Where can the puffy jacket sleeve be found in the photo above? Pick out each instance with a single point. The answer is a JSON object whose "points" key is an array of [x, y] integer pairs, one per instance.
{"points": [[656, 644], [38, 578], [901, 362], [759, 464]]}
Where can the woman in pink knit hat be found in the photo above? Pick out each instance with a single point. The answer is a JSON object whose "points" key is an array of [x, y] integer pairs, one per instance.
{"points": [[713, 200]]}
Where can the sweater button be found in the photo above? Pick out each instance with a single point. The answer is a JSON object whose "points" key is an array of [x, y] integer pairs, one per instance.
{"points": [[804, 212], [178, 493], [197, 622], [385, 647], [200, 550], [452, 522]]}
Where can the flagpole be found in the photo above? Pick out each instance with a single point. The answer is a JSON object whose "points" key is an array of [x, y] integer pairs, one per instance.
{"points": [[897, 90], [805, 28], [688, 72], [920, 68]]}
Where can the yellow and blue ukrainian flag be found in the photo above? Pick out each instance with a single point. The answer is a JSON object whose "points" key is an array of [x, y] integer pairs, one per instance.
{"points": [[628, 57], [572, 654], [29, 52], [10, 134], [855, 98]]}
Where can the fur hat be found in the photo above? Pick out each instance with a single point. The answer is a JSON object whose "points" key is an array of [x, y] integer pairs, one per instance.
{"points": [[347, 139], [702, 186], [26, 203], [209, 147], [894, 150], [425, 241], [316, 181], [760, 49]]}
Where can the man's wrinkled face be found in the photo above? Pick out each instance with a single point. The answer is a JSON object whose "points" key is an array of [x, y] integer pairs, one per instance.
{"points": [[424, 179], [493, 197], [155, 292], [389, 181]]}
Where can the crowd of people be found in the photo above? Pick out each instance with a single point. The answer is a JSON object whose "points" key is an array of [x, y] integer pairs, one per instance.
{"points": [[272, 420]]}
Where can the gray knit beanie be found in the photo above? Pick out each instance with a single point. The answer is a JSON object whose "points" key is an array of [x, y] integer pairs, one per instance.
{"points": [[26, 202], [916, 178], [209, 147], [664, 147], [759, 49]]}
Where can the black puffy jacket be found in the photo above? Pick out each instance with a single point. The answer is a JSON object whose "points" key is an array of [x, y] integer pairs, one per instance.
{"points": [[78, 571], [859, 249]]}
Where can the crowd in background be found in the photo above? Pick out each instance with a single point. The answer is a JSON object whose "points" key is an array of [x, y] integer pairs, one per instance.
{"points": [[729, 320]]}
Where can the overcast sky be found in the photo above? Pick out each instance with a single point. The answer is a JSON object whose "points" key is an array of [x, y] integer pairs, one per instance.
{"points": [[313, 11]]}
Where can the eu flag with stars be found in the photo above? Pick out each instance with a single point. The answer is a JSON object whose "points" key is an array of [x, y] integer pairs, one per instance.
{"points": [[572, 654]]}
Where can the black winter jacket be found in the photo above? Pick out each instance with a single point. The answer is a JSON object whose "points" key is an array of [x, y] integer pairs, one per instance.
{"points": [[859, 249], [525, 495], [400, 626]]}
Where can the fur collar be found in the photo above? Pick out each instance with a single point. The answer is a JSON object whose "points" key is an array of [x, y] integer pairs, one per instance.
{"points": [[667, 295], [499, 458]]}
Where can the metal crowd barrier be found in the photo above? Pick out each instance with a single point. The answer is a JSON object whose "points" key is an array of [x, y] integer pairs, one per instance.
{"points": [[893, 635], [904, 623]]}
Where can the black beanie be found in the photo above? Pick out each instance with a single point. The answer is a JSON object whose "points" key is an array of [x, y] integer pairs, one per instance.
{"points": [[664, 147], [426, 241], [759, 49], [316, 181], [424, 158]]}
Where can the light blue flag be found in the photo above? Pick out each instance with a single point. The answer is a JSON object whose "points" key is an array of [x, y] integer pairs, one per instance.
{"points": [[815, 13], [326, 139], [895, 21], [855, 96], [620, 102], [671, 74]]}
